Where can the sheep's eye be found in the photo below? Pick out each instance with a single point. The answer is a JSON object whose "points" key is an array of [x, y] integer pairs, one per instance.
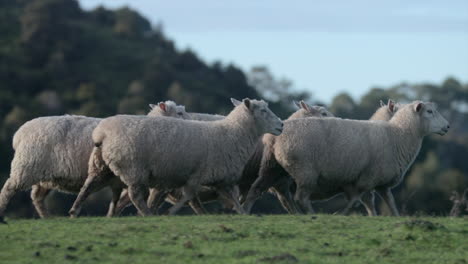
{"points": [[429, 111], [180, 114], [263, 110], [324, 114]]}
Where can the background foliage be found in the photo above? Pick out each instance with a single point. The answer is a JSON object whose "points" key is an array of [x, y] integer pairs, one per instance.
{"points": [[56, 58]]}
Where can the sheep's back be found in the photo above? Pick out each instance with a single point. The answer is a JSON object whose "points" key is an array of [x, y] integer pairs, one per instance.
{"points": [[205, 117], [54, 148], [165, 151], [337, 150]]}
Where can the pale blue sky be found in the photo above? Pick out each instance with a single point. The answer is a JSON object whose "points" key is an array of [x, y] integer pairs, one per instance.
{"points": [[323, 46]]}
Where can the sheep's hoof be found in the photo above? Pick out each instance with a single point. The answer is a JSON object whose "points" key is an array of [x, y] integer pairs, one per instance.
{"points": [[72, 214], [2, 221]]}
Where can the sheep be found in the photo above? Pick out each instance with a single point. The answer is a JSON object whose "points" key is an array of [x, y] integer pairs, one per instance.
{"points": [[53, 152], [274, 174], [167, 154], [250, 171], [174, 195], [168, 108], [124, 200], [330, 156]]}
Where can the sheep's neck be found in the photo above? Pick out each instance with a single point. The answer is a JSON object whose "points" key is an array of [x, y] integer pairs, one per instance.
{"points": [[406, 146], [243, 132], [381, 114], [298, 114]]}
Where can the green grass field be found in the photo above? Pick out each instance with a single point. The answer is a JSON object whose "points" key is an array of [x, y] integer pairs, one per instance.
{"points": [[236, 239]]}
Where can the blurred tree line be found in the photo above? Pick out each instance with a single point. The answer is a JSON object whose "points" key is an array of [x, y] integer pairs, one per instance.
{"points": [[56, 58]]}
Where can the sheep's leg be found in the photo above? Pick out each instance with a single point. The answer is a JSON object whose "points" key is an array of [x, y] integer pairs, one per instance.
{"points": [[232, 194], [254, 193], [387, 196], [172, 199], [353, 195], [267, 178], [283, 193], [189, 192], [38, 195], [197, 206], [285, 199], [155, 199], [352, 200], [123, 202], [302, 199], [116, 192], [368, 200], [9, 189], [137, 196], [92, 184]]}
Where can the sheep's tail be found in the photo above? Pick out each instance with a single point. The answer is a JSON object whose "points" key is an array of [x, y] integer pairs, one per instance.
{"points": [[96, 161], [98, 137], [15, 141]]}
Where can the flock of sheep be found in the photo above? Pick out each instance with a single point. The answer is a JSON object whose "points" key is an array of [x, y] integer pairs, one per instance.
{"points": [[179, 157]]}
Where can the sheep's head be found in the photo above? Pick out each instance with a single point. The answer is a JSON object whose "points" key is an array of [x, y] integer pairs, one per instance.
{"points": [[391, 106], [306, 110], [386, 111], [431, 120], [169, 109], [265, 120]]}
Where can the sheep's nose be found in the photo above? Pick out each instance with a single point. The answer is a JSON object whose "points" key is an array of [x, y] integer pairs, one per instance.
{"points": [[282, 124], [448, 126]]}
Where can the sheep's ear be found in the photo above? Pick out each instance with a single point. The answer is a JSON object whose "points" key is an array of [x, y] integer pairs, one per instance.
{"points": [[163, 106], [305, 106], [418, 107], [382, 103], [235, 102], [152, 106], [391, 105], [246, 101]]}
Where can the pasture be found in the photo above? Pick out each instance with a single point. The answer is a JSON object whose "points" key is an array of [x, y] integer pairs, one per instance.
{"points": [[236, 239]]}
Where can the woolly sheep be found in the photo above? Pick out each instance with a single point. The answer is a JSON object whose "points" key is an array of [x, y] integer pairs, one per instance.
{"points": [[124, 200], [329, 156], [168, 153], [273, 175], [251, 170], [53, 153]]}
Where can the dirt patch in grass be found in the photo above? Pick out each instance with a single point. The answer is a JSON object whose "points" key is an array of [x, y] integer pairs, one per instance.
{"points": [[245, 253], [188, 244], [71, 257], [286, 258], [421, 224], [130, 251], [226, 229]]}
